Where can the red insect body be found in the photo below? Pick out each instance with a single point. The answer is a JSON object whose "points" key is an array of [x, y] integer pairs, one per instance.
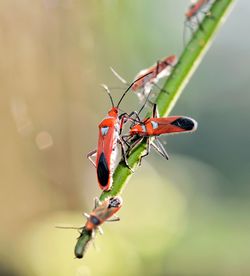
{"points": [[103, 212], [195, 8], [153, 127], [109, 135], [107, 148], [159, 126], [98, 216], [147, 77]]}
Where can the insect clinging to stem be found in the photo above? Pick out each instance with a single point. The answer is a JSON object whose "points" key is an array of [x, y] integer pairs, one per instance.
{"points": [[147, 78], [195, 8], [102, 212], [109, 135], [193, 14], [153, 127]]}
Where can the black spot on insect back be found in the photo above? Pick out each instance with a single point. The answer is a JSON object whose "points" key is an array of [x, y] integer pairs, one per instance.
{"points": [[95, 220], [184, 123], [114, 202], [103, 171]]}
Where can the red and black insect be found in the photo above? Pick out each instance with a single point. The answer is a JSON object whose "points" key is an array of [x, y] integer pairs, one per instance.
{"points": [[195, 8], [154, 127], [150, 76], [192, 15], [146, 78], [109, 135], [102, 212]]}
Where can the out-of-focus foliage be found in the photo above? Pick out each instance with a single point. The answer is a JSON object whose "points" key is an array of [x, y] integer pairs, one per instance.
{"points": [[187, 216]]}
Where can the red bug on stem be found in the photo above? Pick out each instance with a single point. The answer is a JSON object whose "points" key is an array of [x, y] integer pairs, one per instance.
{"points": [[150, 76], [146, 78], [192, 13], [154, 126], [103, 211], [195, 8], [109, 135]]}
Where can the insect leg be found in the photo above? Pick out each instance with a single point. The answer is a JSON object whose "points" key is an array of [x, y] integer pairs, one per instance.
{"points": [[100, 230], [159, 148], [136, 115], [126, 141], [124, 155], [86, 215], [155, 111], [199, 23], [147, 151], [97, 202], [188, 24], [161, 89], [131, 146], [157, 68], [146, 100], [208, 14], [113, 219], [125, 116], [69, 227], [90, 154]]}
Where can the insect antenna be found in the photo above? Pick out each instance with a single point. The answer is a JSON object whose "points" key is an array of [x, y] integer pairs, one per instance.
{"points": [[109, 93], [69, 227], [147, 99], [126, 91]]}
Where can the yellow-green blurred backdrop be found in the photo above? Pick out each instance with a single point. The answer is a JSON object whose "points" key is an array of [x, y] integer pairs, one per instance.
{"points": [[185, 216]]}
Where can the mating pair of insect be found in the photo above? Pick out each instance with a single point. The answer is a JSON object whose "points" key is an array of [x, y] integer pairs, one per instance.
{"points": [[111, 127]]}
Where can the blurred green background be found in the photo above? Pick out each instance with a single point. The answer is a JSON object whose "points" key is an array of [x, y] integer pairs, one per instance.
{"points": [[185, 216]]}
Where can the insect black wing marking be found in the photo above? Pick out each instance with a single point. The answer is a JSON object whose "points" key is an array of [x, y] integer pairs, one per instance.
{"points": [[103, 170], [184, 123], [114, 202]]}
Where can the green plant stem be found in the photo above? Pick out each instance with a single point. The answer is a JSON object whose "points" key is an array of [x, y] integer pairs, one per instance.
{"points": [[188, 62]]}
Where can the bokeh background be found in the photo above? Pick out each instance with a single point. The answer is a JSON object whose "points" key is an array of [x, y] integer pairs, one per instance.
{"points": [[186, 216]]}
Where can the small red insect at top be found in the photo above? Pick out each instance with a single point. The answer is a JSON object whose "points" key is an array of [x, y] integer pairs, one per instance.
{"points": [[148, 77], [195, 8]]}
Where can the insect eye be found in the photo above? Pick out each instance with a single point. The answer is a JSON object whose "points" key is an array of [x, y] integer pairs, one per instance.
{"points": [[104, 130]]}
